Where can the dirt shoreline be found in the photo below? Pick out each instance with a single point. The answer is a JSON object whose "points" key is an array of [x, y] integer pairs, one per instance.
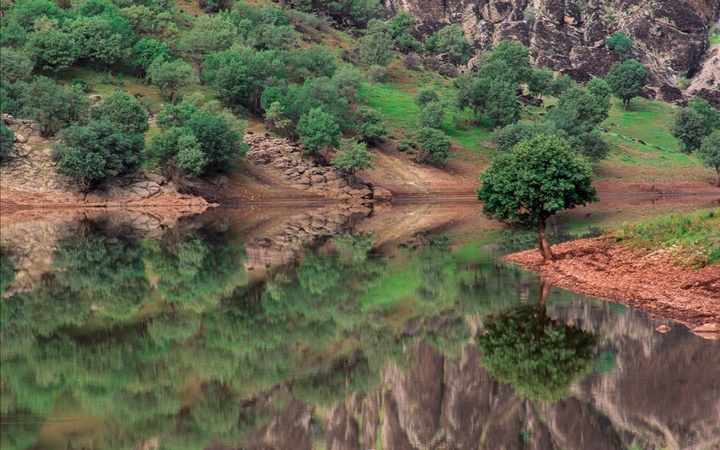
{"points": [[650, 282]]}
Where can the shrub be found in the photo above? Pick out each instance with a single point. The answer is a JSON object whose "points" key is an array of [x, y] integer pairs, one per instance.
{"points": [[370, 128], [434, 145], [93, 153], [352, 157], [432, 115], [318, 129]]}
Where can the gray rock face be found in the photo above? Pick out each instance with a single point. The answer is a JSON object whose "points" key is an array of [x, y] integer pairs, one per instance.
{"points": [[285, 158], [669, 36]]}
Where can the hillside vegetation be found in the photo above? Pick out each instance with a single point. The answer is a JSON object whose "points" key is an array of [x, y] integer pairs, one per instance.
{"points": [[330, 75]]}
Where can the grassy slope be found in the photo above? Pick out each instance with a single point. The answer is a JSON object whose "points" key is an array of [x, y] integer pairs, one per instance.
{"points": [[692, 238]]}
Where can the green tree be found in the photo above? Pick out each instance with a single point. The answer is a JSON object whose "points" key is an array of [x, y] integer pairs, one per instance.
{"points": [[508, 136], [53, 106], [560, 84], [7, 138], [145, 51], [13, 35], [90, 154], [27, 13], [425, 96], [317, 130], [501, 103], [514, 58], [709, 153], [14, 65], [348, 81], [434, 145], [147, 22], [539, 81], [50, 47], [241, 76], [101, 40], [693, 123], [171, 77], [620, 44], [626, 79], [432, 115], [451, 40], [533, 181], [376, 46], [122, 110], [217, 135], [370, 127], [471, 93], [313, 61], [191, 159], [352, 157], [581, 109], [401, 27], [537, 356], [209, 34], [275, 118], [578, 112]]}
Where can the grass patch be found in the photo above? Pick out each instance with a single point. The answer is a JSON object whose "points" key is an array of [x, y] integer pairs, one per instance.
{"points": [[692, 238], [647, 120], [395, 100]]}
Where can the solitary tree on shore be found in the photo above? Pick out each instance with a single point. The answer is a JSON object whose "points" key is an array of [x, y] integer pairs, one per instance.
{"points": [[534, 180]]}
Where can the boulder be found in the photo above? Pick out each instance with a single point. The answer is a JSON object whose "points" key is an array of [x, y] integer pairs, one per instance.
{"points": [[381, 194]]}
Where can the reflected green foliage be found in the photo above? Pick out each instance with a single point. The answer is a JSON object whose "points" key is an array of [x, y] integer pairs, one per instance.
{"points": [[169, 338], [197, 270], [537, 356], [7, 269], [109, 268]]}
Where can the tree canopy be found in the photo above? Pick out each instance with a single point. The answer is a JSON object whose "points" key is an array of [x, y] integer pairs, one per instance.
{"points": [[95, 152], [693, 123], [200, 137], [533, 181], [626, 79], [122, 110]]}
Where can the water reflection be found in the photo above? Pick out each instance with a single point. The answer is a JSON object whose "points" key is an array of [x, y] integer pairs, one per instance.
{"points": [[309, 334], [540, 358]]}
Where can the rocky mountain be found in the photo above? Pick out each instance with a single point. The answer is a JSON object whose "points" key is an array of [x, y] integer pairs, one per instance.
{"points": [[669, 36]]}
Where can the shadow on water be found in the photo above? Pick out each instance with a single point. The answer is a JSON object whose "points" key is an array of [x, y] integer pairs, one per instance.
{"points": [[328, 328]]}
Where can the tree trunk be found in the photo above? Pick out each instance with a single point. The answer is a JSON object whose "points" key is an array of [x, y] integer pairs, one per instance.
{"points": [[545, 250]]}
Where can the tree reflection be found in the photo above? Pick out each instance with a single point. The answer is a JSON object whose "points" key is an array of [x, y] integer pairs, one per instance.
{"points": [[540, 358]]}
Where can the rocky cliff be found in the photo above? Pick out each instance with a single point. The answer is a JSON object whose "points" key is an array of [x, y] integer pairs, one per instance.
{"points": [[669, 36]]}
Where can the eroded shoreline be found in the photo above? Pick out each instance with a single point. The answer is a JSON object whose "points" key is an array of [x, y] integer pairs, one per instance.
{"points": [[650, 282]]}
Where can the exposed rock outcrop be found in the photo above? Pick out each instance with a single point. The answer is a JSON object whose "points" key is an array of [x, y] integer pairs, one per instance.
{"points": [[285, 158], [669, 36], [706, 82]]}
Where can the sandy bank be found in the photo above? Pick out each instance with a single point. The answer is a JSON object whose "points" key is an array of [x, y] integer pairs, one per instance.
{"points": [[648, 281]]}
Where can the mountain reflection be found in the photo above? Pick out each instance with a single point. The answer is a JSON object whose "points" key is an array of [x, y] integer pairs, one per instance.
{"points": [[311, 335]]}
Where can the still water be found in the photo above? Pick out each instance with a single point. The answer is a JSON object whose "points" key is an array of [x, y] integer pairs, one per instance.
{"points": [[329, 329]]}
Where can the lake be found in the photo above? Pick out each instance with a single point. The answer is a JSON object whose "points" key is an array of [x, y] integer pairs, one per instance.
{"points": [[318, 326]]}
